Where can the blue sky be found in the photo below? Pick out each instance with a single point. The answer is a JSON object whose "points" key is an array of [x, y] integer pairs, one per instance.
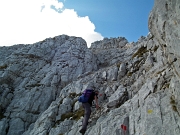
{"points": [[30, 21], [113, 18]]}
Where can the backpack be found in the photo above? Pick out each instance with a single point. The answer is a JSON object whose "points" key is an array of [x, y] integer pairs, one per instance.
{"points": [[86, 95]]}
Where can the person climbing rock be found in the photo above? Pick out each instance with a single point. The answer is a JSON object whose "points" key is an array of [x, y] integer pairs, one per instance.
{"points": [[87, 107]]}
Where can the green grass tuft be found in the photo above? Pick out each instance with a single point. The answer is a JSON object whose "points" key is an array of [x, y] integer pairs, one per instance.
{"points": [[3, 66], [155, 48], [172, 100], [1, 115], [75, 115], [66, 116], [78, 114], [118, 64], [72, 95], [129, 73], [140, 52], [174, 108]]}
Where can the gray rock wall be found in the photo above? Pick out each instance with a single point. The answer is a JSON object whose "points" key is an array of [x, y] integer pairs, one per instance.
{"points": [[109, 51], [33, 75], [164, 24], [138, 82]]}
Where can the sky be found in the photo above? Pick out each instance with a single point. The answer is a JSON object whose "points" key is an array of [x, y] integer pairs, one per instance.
{"points": [[31, 21]]}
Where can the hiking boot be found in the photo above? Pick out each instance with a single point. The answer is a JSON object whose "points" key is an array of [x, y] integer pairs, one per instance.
{"points": [[82, 131]]}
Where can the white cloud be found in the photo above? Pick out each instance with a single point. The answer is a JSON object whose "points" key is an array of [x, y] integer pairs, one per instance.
{"points": [[30, 21]]}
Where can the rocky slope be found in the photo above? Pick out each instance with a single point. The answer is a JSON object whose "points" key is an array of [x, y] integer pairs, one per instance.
{"points": [[138, 82]]}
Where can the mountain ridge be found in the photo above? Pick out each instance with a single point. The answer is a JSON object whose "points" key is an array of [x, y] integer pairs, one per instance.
{"points": [[138, 82]]}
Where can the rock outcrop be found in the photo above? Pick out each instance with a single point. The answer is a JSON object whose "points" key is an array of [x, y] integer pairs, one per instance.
{"points": [[138, 82]]}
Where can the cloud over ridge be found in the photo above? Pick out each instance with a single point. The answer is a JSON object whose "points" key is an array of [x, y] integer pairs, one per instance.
{"points": [[30, 21]]}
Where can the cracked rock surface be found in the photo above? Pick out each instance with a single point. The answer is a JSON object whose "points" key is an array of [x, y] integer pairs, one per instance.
{"points": [[138, 82]]}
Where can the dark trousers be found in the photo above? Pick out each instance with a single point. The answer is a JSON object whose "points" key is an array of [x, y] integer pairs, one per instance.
{"points": [[87, 113]]}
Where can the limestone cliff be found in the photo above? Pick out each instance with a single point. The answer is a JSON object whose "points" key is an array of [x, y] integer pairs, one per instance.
{"points": [[138, 82]]}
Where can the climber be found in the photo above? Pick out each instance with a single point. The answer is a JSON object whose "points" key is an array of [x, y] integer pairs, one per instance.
{"points": [[87, 107]]}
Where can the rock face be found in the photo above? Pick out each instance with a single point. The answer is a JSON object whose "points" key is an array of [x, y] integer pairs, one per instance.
{"points": [[109, 51], [32, 76], [138, 82], [164, 24]]}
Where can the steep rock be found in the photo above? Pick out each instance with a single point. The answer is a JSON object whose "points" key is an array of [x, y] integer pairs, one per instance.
{"points": [[138, 82], [164, 24], [109, 51], [33, 75]]}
